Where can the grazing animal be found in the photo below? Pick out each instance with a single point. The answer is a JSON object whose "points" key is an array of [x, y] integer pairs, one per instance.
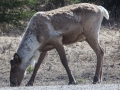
{"points": [[53, 29]]}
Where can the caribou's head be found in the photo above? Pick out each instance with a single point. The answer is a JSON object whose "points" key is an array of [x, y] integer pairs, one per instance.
{"points": [[16, 73]]}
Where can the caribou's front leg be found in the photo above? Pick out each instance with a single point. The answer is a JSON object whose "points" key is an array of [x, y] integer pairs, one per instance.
{"points": [[31, 81], [60, 49]]}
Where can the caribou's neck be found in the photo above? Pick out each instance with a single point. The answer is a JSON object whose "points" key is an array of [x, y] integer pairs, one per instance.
{"points": [[28, 46]]}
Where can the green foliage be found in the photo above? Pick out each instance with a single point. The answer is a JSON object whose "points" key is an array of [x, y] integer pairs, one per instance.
{"points": [[52, 4], [73, 1], [80, 81], [30, 69], [12, 11]]}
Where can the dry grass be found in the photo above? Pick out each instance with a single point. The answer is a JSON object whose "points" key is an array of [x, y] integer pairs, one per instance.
{"points": [[81, 59]]}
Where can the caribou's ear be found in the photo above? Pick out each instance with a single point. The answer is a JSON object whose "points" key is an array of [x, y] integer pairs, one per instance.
{"points": [[17, 59], [16, 56]]}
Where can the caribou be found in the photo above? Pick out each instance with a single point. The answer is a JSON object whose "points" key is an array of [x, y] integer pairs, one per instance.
{"points": [[53, 29]]}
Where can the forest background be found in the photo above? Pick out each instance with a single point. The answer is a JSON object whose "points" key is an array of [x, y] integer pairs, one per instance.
{"points": [[15, 14]]}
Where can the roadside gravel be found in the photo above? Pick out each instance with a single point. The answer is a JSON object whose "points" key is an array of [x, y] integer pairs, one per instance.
{"points": [[68, 87]]}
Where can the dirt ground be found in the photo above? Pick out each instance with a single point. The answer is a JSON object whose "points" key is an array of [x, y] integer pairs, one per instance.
{"points": [[81, 59]]}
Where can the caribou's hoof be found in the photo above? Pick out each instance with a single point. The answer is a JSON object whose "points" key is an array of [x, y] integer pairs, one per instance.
{"points": [[29, 84], [95, 79], [72, 83]]}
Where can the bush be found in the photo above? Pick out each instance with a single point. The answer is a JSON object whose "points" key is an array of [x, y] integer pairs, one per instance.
{"points": [[12, 11]]}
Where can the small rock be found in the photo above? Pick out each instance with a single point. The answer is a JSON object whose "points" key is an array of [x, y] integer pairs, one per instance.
{"points": [[104, 79], [112, 65]]}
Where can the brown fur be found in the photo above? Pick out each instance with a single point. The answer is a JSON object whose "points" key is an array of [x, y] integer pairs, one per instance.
{"points": [[64, 23], [71, 24]]}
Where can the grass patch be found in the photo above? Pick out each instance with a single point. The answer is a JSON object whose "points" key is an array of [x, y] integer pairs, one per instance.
{"points": [[80, 81], [30, 69]]}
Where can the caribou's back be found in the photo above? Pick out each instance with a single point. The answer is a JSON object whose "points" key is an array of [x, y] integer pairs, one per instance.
{"points": [[69, 21]]}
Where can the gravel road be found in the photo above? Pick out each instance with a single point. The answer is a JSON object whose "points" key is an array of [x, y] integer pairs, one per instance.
{"points": [[68, 87]]}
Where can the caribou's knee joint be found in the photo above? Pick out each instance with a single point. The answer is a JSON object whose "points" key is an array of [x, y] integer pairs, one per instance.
{"points": [[102, 52]]}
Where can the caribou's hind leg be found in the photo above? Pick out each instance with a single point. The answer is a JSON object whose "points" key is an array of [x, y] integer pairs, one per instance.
{"points": [[92, 40], [31, 81], [57, 43], [99, 52]]}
